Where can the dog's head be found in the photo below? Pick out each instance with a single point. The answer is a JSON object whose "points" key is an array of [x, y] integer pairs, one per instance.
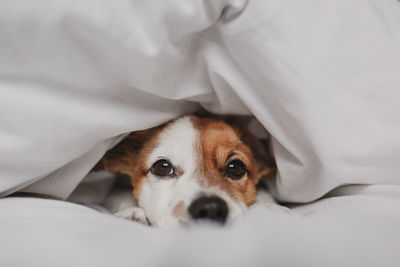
{"points": [[191, 169]]}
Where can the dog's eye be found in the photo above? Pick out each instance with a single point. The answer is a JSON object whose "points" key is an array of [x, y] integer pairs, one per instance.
{"points": [[235, 169], [162, 167]]}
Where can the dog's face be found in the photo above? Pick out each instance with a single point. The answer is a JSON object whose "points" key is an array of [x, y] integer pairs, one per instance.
{"points": [[192, 169]]}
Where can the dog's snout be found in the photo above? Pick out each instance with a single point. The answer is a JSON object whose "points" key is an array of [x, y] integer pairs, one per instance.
{"points": [[211, 208]]}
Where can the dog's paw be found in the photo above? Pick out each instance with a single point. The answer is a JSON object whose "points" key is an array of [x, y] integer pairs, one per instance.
{"points": [[134, 214]]}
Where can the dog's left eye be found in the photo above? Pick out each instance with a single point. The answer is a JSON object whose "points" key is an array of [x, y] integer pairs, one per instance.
{"points": [[235, 169], [162, 167]]}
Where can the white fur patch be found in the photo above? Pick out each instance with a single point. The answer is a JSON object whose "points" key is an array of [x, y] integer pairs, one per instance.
{"points": [[159, 195]]}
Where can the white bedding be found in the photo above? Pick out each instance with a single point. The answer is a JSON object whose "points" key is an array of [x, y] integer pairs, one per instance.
{"points": [[360, 230], [321, 76]]}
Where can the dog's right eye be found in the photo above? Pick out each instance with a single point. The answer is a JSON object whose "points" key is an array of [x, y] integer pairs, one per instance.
{"points": [[162, 167]]}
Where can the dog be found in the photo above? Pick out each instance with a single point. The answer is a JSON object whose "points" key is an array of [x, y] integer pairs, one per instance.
{"points": [[191, 169]]}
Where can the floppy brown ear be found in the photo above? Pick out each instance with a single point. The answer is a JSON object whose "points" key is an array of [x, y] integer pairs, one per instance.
{"points": [[122, 158]]}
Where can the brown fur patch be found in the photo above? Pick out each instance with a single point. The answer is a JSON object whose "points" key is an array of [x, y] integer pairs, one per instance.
{"points": [[141, 169], [130, 155], [220, 143]]}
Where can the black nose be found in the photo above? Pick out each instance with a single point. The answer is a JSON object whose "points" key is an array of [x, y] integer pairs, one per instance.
{"points": [[211, 208]]}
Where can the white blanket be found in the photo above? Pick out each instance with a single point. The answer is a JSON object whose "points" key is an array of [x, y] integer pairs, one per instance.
{"points": [[322, 77]]}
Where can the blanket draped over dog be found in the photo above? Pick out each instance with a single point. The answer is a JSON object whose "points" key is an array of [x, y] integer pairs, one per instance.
{"points": [[323, 77]]}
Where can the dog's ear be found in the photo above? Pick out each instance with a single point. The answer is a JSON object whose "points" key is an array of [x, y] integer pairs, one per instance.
{"points": [[122, 158]]}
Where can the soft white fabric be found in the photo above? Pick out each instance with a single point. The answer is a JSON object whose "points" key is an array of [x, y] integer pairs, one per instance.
{"points": [[39, 232], [321, 76]]}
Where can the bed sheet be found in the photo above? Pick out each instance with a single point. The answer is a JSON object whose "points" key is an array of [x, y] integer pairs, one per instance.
{"points": [[360, 229]]}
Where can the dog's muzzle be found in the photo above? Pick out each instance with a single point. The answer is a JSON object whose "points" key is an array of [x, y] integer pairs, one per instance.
{"points": [[209, 208]]}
